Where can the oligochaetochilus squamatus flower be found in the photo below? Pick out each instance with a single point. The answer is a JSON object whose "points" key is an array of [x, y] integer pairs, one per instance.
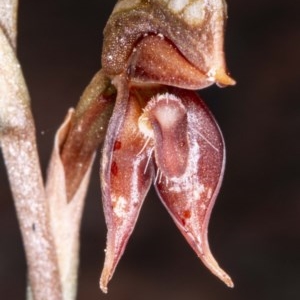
{"points": [[156, 129], [155, 54]]}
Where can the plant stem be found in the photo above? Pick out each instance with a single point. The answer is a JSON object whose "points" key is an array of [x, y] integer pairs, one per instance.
{"points": [[18, 143]]}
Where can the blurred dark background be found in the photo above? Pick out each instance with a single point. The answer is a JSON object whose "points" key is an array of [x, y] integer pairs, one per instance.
{"points": [[255, 226]]}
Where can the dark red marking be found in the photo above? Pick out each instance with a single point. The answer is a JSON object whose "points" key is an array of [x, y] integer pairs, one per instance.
{"points": [[117, 145], [187, 214], [114, 168]]}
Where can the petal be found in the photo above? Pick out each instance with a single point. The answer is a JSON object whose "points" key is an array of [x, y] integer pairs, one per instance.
{"points": [[194, 27], [126, 176], [150, 62], [190, 197]]}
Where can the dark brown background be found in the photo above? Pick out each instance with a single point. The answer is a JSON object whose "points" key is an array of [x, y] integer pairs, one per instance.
{"points": [[255, 226]]}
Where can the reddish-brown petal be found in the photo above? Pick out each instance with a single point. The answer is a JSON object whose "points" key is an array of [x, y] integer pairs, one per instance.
{"points": [[195, 28], [126, 176], [155, 59], [190, 197]]}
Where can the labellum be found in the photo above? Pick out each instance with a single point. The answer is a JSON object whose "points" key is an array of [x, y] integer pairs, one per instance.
{"points": [[156, 52]]}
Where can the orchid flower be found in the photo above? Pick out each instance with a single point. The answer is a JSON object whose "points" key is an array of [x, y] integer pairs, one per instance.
{"points": [[156, 53]]}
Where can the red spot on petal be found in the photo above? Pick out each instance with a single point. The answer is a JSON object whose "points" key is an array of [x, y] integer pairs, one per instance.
{"points": [[114, 168], [187, 214], [117, 145]]}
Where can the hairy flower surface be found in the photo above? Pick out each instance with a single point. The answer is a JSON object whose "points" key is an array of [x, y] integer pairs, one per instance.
{"points": [[156, 53]]}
